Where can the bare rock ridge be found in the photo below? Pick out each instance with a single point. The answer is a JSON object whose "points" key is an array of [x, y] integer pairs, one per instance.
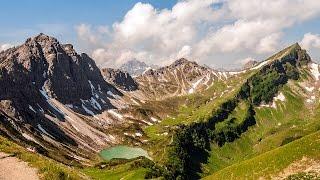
{"points": [[179, 78], [120, 79]]}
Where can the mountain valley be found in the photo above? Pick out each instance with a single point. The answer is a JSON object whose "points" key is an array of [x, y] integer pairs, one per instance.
{"points": [[61, 113]]}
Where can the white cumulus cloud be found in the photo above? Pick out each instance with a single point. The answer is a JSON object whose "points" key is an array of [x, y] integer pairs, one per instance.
{"points": [[197, 29], [310, 41]]}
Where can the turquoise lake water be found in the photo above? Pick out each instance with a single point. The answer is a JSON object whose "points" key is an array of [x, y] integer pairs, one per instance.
{"points": [[124, 152]]}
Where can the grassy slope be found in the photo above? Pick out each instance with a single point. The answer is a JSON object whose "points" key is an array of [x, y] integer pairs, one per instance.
{"points": [[50, 169], [274, 161], [123, 171], [195, 107], [291, 120]]}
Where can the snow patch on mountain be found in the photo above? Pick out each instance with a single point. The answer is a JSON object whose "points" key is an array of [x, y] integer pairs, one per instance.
{"points": [[147, 69], [86, 109], [28, 137], [314, 68], [310, 89], [49, 101], [138, 134], [115, 114], [148, 123], [110, 93], [154, 119], [44, 131], [280, 97], [260, 65], [31, 108], [194, 86], [236, 72], [135, 102], [311, 99]]}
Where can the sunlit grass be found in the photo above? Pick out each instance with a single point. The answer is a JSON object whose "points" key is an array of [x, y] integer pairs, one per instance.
{"points": [[47, 168], [291, 120]]}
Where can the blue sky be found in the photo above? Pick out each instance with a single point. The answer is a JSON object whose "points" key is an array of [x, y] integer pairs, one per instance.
{"points": [[220, 33], [21, 19], [20, 14]]}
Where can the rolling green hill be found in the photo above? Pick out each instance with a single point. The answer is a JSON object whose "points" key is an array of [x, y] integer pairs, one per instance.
{"points": [[270, 164]]}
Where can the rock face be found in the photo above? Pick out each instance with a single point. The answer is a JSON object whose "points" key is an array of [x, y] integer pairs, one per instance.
{"points": [[250, 64], [179, 78], [43, 63], [135, 68], [120, 79], [43, 87]]}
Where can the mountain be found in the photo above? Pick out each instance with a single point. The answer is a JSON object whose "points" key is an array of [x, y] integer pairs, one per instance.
{"points": [[250, 64], [135, 67], [47, 93], [272, 105], [286, 124], [187, 121], [247, 116], [122, 80], [180, 78]]}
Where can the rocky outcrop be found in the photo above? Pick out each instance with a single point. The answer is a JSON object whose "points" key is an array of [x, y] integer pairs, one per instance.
{"points": [[120, 79], [47, 91], [250, 64]]}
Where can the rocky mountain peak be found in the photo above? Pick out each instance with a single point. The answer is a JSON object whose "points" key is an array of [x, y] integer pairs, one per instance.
{"points": [[42, 38], [181, 77], [250, 64], [69, 49], [296, 46], [43, 63], [43, 41], [182, 61], [293, 54], [121, 79]]}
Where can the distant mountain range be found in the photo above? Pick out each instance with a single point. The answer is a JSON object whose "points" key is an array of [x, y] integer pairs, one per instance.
{"points": [[136, 68]]}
